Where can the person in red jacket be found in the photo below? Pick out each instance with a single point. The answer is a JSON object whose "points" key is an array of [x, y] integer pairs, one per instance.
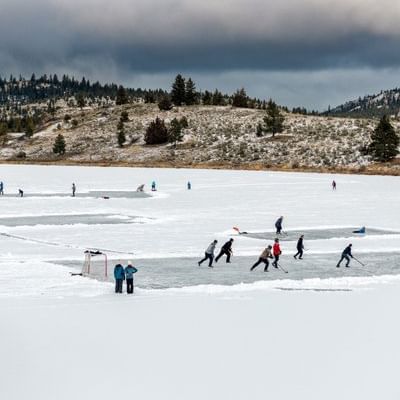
{"points": [[276, 251]]}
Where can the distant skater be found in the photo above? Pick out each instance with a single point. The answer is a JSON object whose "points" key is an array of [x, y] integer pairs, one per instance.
{"points": [[209, 254], [361, 230], [189, 185], [129, 271], [21, 193], [267, 253], [1, 189], [278, 225], [153, 186], [73, 189], [346, 255], [300, 248], [119, 275], [227, 250], [140, 188], [333, 185], [276, 251]]}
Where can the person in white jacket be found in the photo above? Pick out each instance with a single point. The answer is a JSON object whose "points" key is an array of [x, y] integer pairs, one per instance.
{"points": [[209, 254]]}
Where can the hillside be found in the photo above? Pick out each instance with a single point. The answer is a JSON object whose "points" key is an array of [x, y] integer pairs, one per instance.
{"points": [[216, 136], [386, 102]]}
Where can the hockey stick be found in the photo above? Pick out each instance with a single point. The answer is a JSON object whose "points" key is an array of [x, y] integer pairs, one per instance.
{"points": [[282, 269], [359, 262]]}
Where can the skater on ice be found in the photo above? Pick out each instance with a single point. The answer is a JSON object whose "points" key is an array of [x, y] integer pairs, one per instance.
{"points": [[119, 275], [278, 225], [276, 251], [140, 188], [209, 254], [129, 271], [267, 253], [21, 193], [333, 185], [346, 255], [300, 248], [189, 185], [153, 186], [1, 188], [73, 189], [227, 250]]}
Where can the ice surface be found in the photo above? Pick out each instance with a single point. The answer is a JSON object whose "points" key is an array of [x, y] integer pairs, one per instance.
{"points": [[315, 333]]}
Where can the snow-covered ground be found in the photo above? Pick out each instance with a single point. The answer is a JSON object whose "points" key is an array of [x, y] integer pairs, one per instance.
{"points": [[327, 336]]}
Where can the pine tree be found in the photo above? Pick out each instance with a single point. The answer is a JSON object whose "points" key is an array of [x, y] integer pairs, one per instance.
{"points": [[59, 145], [273, 120], [190, 93], [30, 126], [178, 91], [156, 133], [207, 98], [175, 132], [240, 99], [121, 136], [384, 144], [80, 100], [218, 98], [122, 96]]}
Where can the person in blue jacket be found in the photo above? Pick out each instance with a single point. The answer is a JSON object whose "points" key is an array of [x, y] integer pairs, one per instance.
{"points": [[129, 271], [119, 275], [153, 186], [346, 256]]}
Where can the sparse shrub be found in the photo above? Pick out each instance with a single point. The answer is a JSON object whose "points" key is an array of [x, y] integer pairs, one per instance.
{"points": [[124, 116], [156, 133], [67, 118], [74, 123], [165, 104]]}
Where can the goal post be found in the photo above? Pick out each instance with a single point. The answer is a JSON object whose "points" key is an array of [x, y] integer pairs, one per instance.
{"points": [[95, 264]]}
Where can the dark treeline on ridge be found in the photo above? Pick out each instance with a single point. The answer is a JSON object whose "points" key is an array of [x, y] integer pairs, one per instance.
{"points": [[15, 92]]}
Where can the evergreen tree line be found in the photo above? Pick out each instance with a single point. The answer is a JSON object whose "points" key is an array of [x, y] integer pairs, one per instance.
{"points": [[23, 91]]}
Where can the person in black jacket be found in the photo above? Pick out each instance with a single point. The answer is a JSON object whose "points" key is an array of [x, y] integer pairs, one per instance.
{"points": [[227, 250], [300, 248], [278, 225], [346, 256]]}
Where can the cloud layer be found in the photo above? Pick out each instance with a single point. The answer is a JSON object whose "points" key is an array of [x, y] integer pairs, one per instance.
{"points": [[142, 37]]}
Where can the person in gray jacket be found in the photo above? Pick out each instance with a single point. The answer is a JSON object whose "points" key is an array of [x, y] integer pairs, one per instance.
{"points": [[209, 254]]}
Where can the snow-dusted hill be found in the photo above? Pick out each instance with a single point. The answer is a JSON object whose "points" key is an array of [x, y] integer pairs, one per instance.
{"points": [[375, 105], [216, 136]]}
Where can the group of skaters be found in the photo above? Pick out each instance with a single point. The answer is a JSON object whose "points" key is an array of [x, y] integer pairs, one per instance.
{"points": [[271, 252], [121, 274]]}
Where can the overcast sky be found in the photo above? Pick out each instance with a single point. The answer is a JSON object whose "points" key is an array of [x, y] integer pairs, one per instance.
{"points": [[299, 52]]}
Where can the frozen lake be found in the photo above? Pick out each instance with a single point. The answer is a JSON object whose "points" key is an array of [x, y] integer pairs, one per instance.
{"points": [[166, 232]]}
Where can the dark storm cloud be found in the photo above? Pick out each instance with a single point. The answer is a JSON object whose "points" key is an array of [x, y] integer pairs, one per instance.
{"points": [[117, 39]]}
